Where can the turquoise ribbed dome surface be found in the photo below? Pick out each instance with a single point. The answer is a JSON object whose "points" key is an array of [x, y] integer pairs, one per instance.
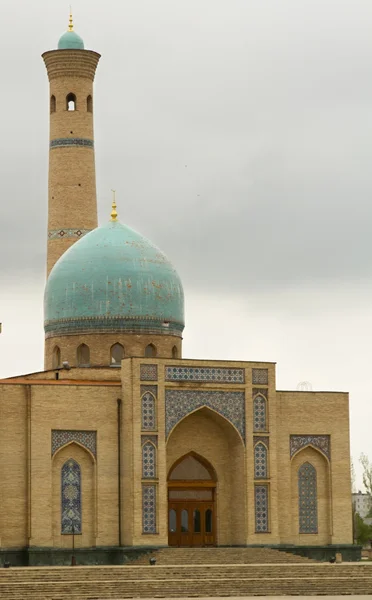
{"points": [[70, 40], [113, 279]]}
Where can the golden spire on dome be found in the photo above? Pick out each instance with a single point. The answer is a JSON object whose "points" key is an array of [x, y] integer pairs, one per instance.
{"points": [[114, 214], [70, 23]]}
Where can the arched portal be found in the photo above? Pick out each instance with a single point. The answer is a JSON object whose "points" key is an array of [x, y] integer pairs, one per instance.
{"points": [[191, 502]]}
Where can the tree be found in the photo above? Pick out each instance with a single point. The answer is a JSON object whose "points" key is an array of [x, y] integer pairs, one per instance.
{"points": [[367, 473], [352, 476], [363, 532]]}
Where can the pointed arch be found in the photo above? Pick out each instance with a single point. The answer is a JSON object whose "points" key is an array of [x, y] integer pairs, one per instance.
{"points": [[148, 412], [83, 356], [261, 470], [148, 460], [71, 102], [174, 352], [56, 360], [259, 413], [71, 497], [307, 498], [150, 351], [89, 104], [116, 354], [184, 468], [52, 104]]}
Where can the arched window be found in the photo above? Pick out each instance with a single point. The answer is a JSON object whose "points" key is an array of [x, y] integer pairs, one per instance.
{"points": [[172, 520], [52, 104], [307, 499], [196, 521], [174, 352], [150, 351], [89, 103], [56, 357], [148, 461], [71, 497], [117, 355], [83, 355], [148, 412], [184, 521], [260, 461], [70, 102], [259, 414]]}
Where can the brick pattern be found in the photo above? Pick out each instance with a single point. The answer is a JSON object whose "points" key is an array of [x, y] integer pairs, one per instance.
{"points": [[149, 509], [61, 437], [205, 374], [307, 499], [322, 442], [149, 372], [75, 232], [71, 498], [179, 403], [260, 376]]}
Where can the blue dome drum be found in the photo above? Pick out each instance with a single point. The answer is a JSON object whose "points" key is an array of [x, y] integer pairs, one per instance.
{"points": [[113, 280]]}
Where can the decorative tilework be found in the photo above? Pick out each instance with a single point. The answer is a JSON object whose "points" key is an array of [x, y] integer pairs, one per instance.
{"points": [[58, 234], [71, 497], [148, 412], [206, 374], [179, 403], [61, 437], [261, 497], [149, 509], [149, 372], [307, 499], [149, 438], [259, 413], [322, 442], [260, 461], [148, 461], [107, 324], [260, 376], [261, 438], [65, 142]]}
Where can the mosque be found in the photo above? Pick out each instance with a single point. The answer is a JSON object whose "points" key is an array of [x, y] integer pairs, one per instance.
{"points": [[121, 444]]}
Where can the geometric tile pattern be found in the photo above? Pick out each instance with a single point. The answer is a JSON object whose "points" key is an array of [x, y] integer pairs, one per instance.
{"points": [[149, 372], [307, 499], [261, 498], [148, 412], [322, 442], [88, 439], [71, 497], [259, 413], [260, 461], [260, 376], [179, 403], [148, 461], [206, 374], [261, 438], [149, 509], [65, 142], [58, 234]]}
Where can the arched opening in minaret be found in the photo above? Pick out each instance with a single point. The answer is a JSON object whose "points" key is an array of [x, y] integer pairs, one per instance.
{"points": [[174, 352], [150, 351], [56, 357], [89, 104], [117, 355], [71, 102], [52, 104], [83, 356]]}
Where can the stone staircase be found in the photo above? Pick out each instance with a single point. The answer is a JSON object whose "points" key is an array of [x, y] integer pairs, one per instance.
{"points": [[134, 580], [219, 556]]}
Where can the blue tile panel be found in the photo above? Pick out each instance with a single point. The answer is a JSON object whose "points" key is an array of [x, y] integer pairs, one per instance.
{"points": [[108, 325], [61, 437], [321, 442], [179, 403], [71, 497], [148, 412], [149, 372], [148, 461], [307, 499], [206, 374], [149, 509], [59, 234], [260, 376], [260, 413], [261, 498], [260, 461], [67, 142]]}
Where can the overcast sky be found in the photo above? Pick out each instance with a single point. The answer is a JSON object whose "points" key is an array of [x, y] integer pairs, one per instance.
{"points": [[238, 136]]}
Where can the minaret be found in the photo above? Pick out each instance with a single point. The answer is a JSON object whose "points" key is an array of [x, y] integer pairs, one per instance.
{"points": [[72, 205]]}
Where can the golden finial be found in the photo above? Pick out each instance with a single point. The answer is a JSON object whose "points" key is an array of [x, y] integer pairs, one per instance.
{"points": [[114, 214], [71, 23]]}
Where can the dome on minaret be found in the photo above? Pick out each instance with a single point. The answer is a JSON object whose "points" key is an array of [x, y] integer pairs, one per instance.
{"points": [[70, 40], [113, 280]]}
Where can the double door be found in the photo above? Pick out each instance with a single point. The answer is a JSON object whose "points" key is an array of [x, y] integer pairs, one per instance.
{"points": [[191, 523]]}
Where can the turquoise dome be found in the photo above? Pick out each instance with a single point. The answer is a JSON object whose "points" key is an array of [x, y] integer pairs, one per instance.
{"points": [[113, 279], [70, 41]]}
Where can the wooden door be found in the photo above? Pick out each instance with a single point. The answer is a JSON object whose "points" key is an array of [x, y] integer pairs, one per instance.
{"points": [[191, 523]]}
